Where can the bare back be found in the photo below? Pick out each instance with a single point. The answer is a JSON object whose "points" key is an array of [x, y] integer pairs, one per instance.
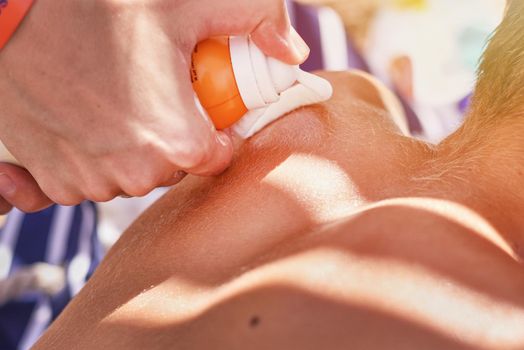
{"points": [[323, 234]]}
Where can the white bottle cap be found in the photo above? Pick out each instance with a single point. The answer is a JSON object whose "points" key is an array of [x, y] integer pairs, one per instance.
{"points": [[244, 72], [283, 75], [310, 89], [260, 79], [262, 74], [270, 88]]}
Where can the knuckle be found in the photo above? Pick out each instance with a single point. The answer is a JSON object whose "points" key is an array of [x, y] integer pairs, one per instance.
{"points": [[61, 195], [135, 191], [31, 205], [100, 194], [65, 198], [193, 153], [139, 184]]}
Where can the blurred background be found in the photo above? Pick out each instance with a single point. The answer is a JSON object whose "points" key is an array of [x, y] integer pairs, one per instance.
{"points": [[427, 51]]}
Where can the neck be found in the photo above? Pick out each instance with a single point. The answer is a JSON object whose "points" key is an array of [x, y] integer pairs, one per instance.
{"points": [[494, 153], [483, 168]]}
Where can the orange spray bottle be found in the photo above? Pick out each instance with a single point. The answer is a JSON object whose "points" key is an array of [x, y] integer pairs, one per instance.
{"points": [[237, 85]]}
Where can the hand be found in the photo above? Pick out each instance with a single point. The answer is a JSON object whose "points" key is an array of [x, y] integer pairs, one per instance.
{"points": [[19, 189], [96, 96]]}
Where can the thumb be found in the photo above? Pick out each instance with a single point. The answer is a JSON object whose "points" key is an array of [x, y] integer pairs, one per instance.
{"points": [[280, 41], [275, 36], [267, 21]]}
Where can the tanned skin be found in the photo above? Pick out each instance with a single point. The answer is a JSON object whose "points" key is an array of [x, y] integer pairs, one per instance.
{"points": [[332, 230]]}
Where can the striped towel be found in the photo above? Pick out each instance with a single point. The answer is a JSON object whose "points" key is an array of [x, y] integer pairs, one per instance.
{"points": [[45, 259]]}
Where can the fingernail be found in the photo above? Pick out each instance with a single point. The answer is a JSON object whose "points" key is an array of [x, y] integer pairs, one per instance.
{"points": [[299, 46], [7, 186], [224, 139]]}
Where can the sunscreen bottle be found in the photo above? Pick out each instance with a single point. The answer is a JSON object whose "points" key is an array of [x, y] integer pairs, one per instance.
{"points": [[234, 80]]}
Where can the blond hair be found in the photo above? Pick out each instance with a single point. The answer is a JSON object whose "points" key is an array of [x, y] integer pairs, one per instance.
{"points": [[499, 92]]}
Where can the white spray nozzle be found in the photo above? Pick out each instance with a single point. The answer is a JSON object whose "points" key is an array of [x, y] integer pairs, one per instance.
{"points": [[319, 85], [310, 89], [270, 88]]}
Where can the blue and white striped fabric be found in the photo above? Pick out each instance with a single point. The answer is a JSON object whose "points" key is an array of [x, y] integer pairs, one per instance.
{"points": [[61, 237]]}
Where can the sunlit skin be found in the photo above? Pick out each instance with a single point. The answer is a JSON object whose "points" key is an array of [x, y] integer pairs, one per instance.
{"points": [[332, 229]]}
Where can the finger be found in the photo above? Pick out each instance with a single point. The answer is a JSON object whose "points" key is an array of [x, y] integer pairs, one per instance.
{"points": [[139, 172], [218, 157], [198, 148], [284, 44], [20, 189], [266, 21], [5, 207]]}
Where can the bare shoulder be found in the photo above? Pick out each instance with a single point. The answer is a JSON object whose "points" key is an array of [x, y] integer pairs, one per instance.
{"points": [[407, 269], [362, 87], [399, 274]]}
